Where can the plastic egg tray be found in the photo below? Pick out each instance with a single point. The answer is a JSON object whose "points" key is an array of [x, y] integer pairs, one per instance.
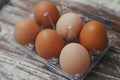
{"points": [[53, 63]]}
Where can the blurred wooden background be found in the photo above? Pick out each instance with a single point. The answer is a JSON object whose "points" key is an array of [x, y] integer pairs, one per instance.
{"points": [[15, 67]]}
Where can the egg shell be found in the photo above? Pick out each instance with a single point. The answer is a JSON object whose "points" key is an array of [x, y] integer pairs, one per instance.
{"points": [[69, 26], [74, 59], [93, 36], [48, 8], [26, 31], [49, 44]]}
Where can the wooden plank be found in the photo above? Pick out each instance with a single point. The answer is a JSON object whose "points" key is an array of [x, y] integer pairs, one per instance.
{"points": [[106, 66], [14, 67], [22, 4], [15, 10], [9, 18], [3, 2], [114, 56], [107, 69], [99, 76]]}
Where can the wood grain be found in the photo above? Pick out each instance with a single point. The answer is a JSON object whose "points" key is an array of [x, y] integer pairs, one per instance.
{"points": [[3, 2], [107, 69]]}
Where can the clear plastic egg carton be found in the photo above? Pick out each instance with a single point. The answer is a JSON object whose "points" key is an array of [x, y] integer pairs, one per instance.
{"points": [[54, 62]]}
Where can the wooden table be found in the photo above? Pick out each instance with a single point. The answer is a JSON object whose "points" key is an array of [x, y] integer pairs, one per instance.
{"points": [[16, 65]]}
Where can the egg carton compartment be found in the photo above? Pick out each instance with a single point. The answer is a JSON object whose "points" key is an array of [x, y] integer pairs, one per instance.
{"points": [[54, 62]]}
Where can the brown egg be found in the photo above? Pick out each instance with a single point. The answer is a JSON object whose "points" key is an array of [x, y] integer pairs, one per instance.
{"points": [[48, 44], [74, 59], [93, 36], [45, 12], [26, 31]]}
